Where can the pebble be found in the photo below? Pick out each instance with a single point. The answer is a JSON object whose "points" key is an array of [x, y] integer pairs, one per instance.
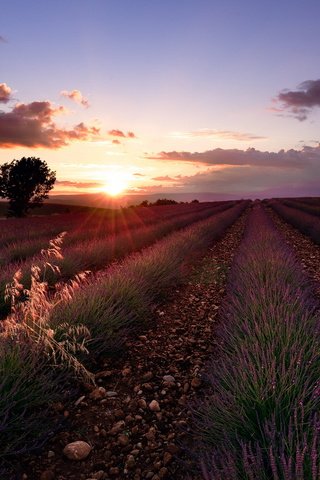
{"points": [[196, 382], [117, 427], [123, 440], [154, 406], [98, 393], [131, 462], [186, 387], [142, 403], [169, 379], [147, 376], [110, 393], [167, 457], [78, 450], [163, 472]]}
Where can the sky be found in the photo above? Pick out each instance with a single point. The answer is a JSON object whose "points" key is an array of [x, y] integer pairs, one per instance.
{"points": [[160, 96]]}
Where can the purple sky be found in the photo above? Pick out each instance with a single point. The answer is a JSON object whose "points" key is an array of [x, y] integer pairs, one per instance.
{"points": [[164, 96]]}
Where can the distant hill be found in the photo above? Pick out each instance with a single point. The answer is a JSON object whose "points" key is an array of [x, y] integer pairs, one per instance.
{"points": [[104, 201]]}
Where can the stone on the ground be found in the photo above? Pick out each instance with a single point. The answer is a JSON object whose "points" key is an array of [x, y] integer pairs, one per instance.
{"points": [[78, 450], [154, 406]]}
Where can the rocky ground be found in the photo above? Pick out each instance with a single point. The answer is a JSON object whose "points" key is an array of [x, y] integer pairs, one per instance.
{"points": [[137, 422]]}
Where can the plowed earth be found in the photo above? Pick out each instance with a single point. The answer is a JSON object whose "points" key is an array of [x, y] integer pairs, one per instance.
{"points": [[138, 421]]}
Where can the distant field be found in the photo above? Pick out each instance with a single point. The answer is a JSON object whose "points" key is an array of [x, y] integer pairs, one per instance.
{"points": [[51, 209], [91, 301]]}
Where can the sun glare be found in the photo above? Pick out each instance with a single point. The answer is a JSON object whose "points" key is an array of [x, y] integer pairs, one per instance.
{"points": [[115, 185]]}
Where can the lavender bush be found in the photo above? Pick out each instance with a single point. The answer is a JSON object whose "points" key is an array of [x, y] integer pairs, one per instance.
{"points": [[96, 252], [261, 421]]}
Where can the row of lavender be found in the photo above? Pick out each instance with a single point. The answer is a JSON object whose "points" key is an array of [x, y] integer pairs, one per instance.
{"points": [[312, 208], [20, 239], [291, 212], [46, 338], [262, 421], [96, 253]]}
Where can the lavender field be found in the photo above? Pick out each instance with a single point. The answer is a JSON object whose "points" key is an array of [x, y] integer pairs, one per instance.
{"points": [[177, 342]]}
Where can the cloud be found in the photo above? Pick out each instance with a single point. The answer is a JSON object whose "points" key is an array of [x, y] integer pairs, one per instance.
{"points": [[68, 183], [76, 96], [255, 174], [282, 159], [137, 174], [119, 133], [32, 125], [225, 134], [2, 39], [166, 178], [5, 93], [299, 103], [116, 142]]}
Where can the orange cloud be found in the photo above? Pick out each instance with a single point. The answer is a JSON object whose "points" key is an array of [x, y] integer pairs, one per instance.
{"points": [[120, 133], [5, 93], [32, 125], [76, 96], [116, 133]]}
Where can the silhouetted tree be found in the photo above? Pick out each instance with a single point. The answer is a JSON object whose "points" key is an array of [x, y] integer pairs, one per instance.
{"points": [[165, 201], [145, 203], [195, 201], [25, 183]]}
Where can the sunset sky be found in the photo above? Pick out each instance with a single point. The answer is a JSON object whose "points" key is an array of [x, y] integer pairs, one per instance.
{"points": [[156, 96]]}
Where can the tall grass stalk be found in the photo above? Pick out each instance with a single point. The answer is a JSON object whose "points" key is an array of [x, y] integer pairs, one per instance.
{"points": [[35, 359]]}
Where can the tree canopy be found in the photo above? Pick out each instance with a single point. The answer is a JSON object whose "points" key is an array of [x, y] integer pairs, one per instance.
{"points": [[25, 183]]}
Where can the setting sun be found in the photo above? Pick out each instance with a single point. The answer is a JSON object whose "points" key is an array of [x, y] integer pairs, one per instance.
{"points": [[116, 184]]}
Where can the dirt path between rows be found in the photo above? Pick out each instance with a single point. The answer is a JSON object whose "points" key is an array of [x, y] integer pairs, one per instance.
{"points": [[305, 249], [138, 420]]}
